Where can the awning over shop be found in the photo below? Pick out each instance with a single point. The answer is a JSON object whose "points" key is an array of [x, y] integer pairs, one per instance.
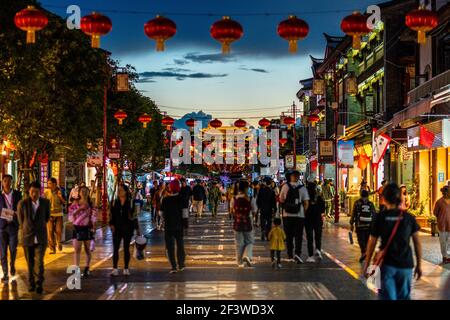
{"points": [[413, 111]]}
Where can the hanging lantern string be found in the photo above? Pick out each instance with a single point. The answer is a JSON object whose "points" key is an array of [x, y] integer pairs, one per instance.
{"points": [[204, 14]]}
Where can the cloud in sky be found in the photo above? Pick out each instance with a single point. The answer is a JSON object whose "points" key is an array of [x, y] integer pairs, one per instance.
{"points": [[260, 70], [208, 58], [148, 76]]}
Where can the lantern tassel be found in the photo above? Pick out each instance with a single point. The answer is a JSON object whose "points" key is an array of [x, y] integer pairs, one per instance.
{"points": [[31, 36], [95, 41], [292, 46], [144, 125], [356, 42], [421, 37], [226, 47], [160, 45], [120, 122]]}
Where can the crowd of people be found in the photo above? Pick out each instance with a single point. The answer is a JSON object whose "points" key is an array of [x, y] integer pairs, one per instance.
{"points": [[280, 213]]}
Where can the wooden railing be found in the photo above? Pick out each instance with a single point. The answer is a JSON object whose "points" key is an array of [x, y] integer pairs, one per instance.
{"points": [[429, 87]]}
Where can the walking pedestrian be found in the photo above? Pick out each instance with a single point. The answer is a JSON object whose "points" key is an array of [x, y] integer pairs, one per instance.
{"points": [[230, 195], [405, 203], [172, 210], [362, 215], [154, 209], [314, 222], [395, 227], [267, 205], [295, 200], [214, 197], [185, 194], [9, 227], [328, 196], [442, 213], [277, 239], [33, 213], [83, 216], [253, 196], [242, 226], [380, 195], [198, 196], [159, 195], [123, 222], [55, 224]]}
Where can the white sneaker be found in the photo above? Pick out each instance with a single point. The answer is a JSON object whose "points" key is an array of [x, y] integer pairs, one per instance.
{"points": [[115, 272], [126, 272], [241, 265], [310, 260], [298, 259], [279, 266], [247, 262], [319, 254]]}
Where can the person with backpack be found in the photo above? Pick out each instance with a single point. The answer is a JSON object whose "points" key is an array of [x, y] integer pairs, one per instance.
{"points": [[295, 200], [242, 226], [362, 215], [214, 196], [267, 205], [396, 228], [314, 222]]}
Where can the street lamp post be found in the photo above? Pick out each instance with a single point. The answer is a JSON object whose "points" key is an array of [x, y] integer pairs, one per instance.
{"points": [[104, 194]]}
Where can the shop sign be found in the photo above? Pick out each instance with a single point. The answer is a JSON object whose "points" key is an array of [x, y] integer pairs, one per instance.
{"points": [[441, 176], [345, 154], [114, 144], [326, 151], [289, 161], [318, 87], [281, 166], [441, 130], [44, 176], [55, 169], [301, 163]]}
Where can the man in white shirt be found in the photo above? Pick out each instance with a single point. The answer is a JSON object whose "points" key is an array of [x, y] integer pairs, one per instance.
{"points": [[295, 199], [9, 227], [33, 214]]}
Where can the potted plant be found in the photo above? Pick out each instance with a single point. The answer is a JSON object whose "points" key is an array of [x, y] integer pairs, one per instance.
{"points": [[432, 220], [419, 214]]}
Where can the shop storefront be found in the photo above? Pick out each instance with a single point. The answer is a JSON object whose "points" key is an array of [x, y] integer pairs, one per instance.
{"points": [[431, 165]]}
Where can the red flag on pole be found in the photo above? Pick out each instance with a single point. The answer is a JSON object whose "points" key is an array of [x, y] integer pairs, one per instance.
{"points": [[426, 137]]}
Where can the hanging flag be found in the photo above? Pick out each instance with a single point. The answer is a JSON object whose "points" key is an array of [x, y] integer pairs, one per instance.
{"points": [[426, 137], [379, 146]]}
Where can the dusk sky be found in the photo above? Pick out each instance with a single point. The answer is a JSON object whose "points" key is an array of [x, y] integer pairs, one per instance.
{"points": [[192, 74]]}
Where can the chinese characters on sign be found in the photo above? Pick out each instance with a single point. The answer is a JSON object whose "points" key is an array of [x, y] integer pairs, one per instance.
{"points": [[326, 151], [346, 154]]}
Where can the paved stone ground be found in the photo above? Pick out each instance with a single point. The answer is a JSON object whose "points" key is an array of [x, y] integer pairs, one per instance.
{"points": [[211, 272]]}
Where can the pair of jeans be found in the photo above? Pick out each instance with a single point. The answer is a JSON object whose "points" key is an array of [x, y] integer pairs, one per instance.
{"points": [[8, 239], [266, 224], [293, 227], [172, 237], [34, 256], [444, 238], [54, 231], [244, 245], [277, 253], [118, 236], [363, 235], [313, 235], [395, 283]]}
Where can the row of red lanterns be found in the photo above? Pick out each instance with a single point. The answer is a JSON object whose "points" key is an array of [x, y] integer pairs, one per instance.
{"points": [[225, 30], [121, 115]]}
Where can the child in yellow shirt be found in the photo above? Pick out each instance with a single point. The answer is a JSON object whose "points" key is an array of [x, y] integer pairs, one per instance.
{"points": [[277, 239]]}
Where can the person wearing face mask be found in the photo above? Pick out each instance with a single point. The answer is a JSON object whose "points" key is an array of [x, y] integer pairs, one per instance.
{"points": [[9, 226], [33, 213], [442, 213]]}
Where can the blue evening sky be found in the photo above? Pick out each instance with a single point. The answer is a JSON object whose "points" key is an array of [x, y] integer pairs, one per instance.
{"points": [[192, 74]]}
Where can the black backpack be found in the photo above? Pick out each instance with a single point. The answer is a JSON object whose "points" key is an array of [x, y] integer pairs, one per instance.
{"points": [[292, 203], [364, 214]]}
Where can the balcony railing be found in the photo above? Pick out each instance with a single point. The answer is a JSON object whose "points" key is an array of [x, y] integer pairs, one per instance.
{"points": [[429, 87]]}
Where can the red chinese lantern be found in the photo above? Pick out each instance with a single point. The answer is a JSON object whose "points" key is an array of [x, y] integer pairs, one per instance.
{"points": [[355, 26], [120, 116], [168, 122], [313, 119], [226, 31], [264, 123], [240, 123], [292, 30], [31, 20], [422, 20], [283, 141], [190, 123], [96, 25], [289, 121], [160, 29], [144, 119], [314, 164], [216, 123]]}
